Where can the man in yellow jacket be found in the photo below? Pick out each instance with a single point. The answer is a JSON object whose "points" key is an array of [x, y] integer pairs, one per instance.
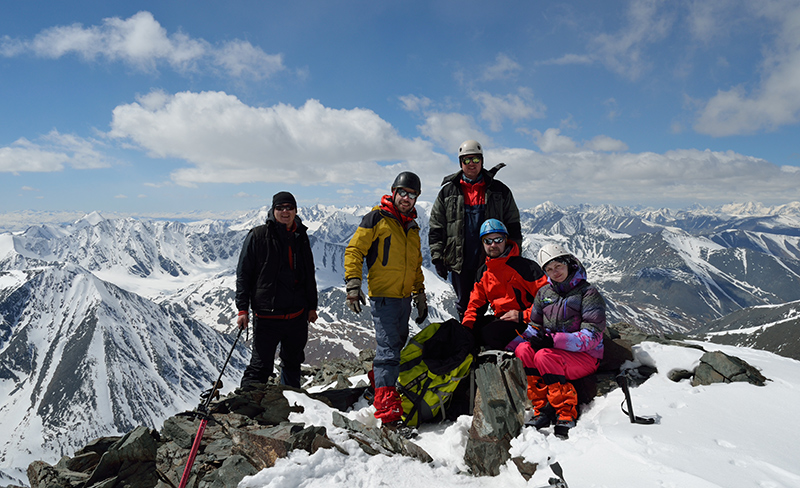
{"points": [[388, 238]]}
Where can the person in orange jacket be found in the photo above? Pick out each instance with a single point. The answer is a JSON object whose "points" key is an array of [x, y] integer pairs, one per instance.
{"points": [[508, 283]]}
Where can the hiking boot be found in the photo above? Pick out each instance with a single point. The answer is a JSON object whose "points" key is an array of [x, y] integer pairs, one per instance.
{"points": [[400, 428], [369, 395], [561, 430], [539, 421], [543, 418]]}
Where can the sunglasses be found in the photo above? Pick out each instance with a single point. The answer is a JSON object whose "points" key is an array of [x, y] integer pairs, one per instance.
{"points": [[471, 160], [409, 194], [284, 208], [493, 240]]}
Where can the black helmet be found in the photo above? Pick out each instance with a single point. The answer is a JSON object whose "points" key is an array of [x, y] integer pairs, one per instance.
{"points": [[407, 179]]}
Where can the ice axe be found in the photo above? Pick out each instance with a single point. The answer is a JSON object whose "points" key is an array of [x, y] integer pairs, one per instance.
{"points": [[204, 415], [622, 381]]}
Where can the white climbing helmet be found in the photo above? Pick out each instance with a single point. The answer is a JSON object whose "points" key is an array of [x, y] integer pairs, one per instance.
{"points": [[551, 251], [470, 147]]}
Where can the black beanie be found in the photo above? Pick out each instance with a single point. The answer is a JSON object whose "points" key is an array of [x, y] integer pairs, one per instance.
{"points": [[283, 197]]}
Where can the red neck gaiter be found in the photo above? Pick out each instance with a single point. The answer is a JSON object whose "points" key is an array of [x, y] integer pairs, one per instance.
{"points": [[387, 205]]}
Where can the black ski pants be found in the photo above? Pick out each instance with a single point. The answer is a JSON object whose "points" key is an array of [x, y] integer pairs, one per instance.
{"points": [[463, 283], [494, 334], [292, 335]]}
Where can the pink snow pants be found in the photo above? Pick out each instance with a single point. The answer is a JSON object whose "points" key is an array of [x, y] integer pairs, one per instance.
{"points": [[572, 365]]}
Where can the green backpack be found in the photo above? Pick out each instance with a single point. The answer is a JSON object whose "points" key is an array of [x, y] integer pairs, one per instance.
{"points": [[431, 365]]}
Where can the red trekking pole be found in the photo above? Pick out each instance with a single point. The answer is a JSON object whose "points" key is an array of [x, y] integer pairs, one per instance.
{"points": [[204, 415]]}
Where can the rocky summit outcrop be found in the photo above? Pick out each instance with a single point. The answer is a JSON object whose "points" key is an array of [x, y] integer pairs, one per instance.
{"points": [[246, 432], [498, 415]]}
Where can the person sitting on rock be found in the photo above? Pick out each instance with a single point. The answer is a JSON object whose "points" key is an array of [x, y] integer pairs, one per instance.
{"points": [[506, 281], [564, 339]]}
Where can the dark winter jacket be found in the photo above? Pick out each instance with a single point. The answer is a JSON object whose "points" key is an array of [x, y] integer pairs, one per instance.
{"points": [[573, 313], [275, 274], [508, 282], [447, 222]]}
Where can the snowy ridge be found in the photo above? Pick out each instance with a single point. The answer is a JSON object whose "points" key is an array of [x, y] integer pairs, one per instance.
{"points": [[87, 359]]}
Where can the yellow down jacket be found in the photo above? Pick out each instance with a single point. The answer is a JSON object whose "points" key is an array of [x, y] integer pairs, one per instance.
{"points": [[394, 258]]}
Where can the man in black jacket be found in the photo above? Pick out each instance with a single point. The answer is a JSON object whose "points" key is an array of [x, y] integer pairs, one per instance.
{"points": [[275, 278], [466, 200]]}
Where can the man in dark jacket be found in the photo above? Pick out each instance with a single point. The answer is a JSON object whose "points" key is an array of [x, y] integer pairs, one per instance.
{"points": [[275, 278], [466, 200]]}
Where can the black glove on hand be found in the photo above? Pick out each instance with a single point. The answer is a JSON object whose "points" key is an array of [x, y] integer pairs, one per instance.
{"points": [[441, 269], [541, 341], [421, 304]]}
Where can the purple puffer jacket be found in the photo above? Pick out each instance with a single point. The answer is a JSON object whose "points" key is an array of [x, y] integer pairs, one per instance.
{"points": [[573, 313]]}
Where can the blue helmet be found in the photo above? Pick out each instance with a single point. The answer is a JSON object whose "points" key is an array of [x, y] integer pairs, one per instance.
{"points": [[493, 226]]}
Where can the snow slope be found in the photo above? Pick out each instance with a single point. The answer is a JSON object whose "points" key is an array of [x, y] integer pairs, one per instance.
{"points": [[720, 436]]}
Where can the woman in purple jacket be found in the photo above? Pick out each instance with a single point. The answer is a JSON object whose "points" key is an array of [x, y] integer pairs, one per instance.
{"points": [[564, 339]]}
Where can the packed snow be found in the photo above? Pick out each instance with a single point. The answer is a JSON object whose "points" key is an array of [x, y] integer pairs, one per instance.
{"points": [[723, 435]]}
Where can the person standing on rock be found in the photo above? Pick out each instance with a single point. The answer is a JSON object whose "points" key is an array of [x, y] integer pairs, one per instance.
{"points": [[388, 238], [467, 198], [508, 283], [276, 278], [565, 339]]}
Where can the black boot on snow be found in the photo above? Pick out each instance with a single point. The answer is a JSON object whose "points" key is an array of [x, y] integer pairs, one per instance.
{"points": [[542, 419], [561, 430], [539, 421]]}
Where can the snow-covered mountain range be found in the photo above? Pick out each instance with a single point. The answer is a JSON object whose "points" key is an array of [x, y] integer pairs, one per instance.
{"points": [[109, 323]]}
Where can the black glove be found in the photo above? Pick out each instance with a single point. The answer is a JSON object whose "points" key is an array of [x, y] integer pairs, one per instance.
{"points": [[421, 304], [541, 341], [441, 269]]}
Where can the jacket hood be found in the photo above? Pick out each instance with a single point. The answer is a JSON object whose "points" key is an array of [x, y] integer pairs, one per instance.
{"points": [[576, 278], [512, 249]]}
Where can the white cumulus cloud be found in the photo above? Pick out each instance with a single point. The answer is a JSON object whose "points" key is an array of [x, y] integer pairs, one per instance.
{"points": [[552, 141], [775, 100], [450, 129], [514, 106], [605, 143], [227, 141], [503, 68], [142, 42], [674, 178], [53, 152]]}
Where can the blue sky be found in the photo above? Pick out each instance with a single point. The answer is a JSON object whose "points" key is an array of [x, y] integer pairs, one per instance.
{"points": [[172, 107]]}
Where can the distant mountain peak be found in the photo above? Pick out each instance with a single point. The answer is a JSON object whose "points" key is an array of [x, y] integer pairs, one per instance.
{"points": [[757, 209], [90, 219]]}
